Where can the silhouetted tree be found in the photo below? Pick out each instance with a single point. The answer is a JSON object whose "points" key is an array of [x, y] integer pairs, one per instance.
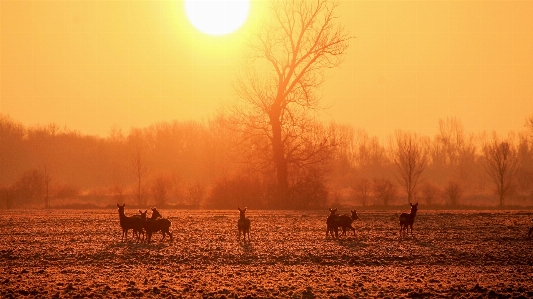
{"points": [[529, 125], [46, 181], [140, 171], [195, 194], [159, 188], [384, 189], [30, 187], [501, 163], [362, 191], [429, 192], [453, 192], [410, 156], [289, 55]]}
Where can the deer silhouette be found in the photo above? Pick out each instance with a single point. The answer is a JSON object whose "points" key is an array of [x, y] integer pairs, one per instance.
{"points": [[345, 221], [243, 224], [332, 223], [407, 220], [127, 223], [155, 224]]}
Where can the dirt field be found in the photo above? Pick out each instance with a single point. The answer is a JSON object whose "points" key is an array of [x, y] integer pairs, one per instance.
{"points": [[67, 253]]}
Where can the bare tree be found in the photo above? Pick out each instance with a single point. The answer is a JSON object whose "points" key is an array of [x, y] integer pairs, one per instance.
{"points": [[501, 163], [362, 190], [160, 187], [410, 156], [140, 171], [195, 194], [384, 189], [46, 181], [429, 192], [278, 89], [529, 125], [453, 191]]}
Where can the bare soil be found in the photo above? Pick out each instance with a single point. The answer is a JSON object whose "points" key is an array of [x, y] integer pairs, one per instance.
{"points": [[454, 254]]}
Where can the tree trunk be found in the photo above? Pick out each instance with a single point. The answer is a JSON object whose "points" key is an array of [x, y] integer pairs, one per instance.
{"points": [[278, 155]]}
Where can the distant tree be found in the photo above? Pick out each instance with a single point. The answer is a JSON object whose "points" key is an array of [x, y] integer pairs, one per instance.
{"points": [[160, 188], [6, 198], [501, 164], [234, 191], [46, 181], [195, 194], [280, 83], [410, 157], [362, 190], [30, 187], [529, 125], [453, 192], [309, 191], [384, 189], [118, 193], [140, 172], [429, 192]]}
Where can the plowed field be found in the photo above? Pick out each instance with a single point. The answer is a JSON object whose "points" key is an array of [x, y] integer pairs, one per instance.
{"points": [[71, 253]]}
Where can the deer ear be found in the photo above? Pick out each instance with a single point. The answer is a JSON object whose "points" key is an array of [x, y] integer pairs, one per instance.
{"points": [[145, 211], [245, 208], [411, 204], [239, 208], [140, 211], [118, 206]]}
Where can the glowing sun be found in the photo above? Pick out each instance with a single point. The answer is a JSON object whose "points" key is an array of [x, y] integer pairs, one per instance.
{"points": [[217, 17]]}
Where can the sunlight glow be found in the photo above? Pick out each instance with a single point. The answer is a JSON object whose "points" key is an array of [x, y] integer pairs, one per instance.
{"points": [[217, 17]]}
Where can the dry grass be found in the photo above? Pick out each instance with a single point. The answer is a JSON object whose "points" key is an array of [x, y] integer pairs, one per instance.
{"points": [[69, 253]]}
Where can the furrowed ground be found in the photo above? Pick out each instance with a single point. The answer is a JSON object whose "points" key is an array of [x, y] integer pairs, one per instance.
{"points": [[79, 253]]}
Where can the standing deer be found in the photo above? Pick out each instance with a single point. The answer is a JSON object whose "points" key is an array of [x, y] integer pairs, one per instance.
{"points": [[154, 225], [346, 221], [128, 223], [407, 220], [332, 223], [243, 225]]}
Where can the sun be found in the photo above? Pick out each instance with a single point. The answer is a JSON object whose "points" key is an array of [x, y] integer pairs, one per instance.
{"points": [[217, 17]]}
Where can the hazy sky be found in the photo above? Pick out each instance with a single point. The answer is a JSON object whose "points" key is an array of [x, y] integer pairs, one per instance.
{"points": [[92, 65]]}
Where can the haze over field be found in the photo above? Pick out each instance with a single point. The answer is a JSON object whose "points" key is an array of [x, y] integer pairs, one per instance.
{"points": [[93, 65]]}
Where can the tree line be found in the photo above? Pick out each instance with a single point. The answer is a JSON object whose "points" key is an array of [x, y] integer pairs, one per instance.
{"points": [[208, 164]]}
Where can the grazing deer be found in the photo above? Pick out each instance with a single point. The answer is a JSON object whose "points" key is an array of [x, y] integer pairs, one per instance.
{"points": [[332, 223], [243, 225], [154, 225], [407, 220], [346, 221], [128, 223]]}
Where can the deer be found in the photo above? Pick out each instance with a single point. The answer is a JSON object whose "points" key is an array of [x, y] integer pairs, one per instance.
{"points": [[407, 220], [155, 214], [243, 224], [346, 221], [127, 223], [332, 223], [155, 224]]}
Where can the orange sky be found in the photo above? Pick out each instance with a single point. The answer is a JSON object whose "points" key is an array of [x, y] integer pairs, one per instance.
{"points": [[92, 65]]}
